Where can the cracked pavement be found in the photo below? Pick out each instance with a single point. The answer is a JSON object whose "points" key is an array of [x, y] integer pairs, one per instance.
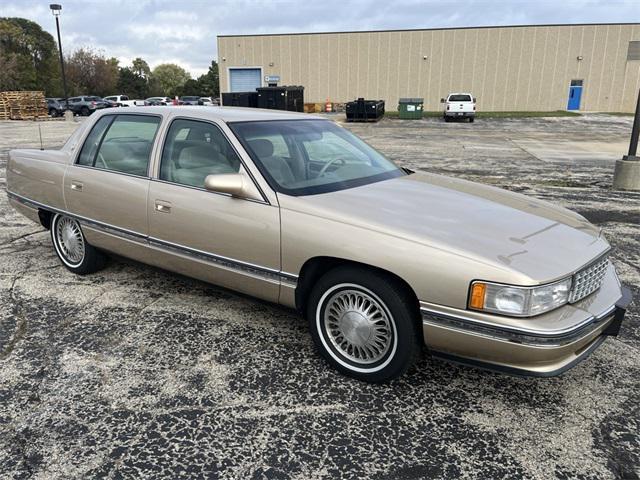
{"points": [[137, 372]]}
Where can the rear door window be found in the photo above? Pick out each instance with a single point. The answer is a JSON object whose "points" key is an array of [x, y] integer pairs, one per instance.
{"points": [[91, 144], [121, 143]]}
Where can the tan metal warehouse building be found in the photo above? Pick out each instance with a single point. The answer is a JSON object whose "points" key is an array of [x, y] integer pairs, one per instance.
{"points": [[506, 68]]}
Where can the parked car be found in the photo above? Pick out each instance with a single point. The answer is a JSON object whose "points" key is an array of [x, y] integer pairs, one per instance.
{"points": [[459, 105], [294, 209], [54, 107], [209, 101], [188, 100], [86, 105], [110, 103], [123, 101], [155, 101]]}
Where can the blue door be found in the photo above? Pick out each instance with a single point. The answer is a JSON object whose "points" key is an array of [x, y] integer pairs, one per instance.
{"points": [[575, 92], [245, 79]]}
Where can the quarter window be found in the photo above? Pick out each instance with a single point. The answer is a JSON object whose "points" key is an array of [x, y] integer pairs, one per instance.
{"points": [[193, 150], [122, 144]]}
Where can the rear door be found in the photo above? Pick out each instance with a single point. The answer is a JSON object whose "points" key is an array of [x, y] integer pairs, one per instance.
{"points": [[108, 183]]}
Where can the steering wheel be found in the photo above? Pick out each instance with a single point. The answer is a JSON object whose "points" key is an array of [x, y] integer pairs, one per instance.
{"points": [[329, 163]]}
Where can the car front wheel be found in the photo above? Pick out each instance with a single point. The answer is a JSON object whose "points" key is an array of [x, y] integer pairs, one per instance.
{"points": [[72, 248], [364, 323]]}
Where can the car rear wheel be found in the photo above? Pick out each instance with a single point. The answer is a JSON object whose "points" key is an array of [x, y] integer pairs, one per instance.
{"points": [[84, 111], [53, 112], [364, 324], [471, 119], [72, 248]]}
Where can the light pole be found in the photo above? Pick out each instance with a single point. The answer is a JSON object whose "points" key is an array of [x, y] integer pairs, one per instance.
{"points": [[56, 9]]}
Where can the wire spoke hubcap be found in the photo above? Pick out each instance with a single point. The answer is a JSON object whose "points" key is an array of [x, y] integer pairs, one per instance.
{"points": [[358, 326], [70, 240]]}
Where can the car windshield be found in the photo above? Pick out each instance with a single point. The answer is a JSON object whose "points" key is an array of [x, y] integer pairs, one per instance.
{"points": [[459, 98], [306, 157]]}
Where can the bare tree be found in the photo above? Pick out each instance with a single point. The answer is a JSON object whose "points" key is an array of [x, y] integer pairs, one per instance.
{"points": [[90, 72]]}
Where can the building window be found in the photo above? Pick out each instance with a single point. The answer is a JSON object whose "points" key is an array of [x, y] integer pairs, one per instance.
{"points": [[634, 50]]}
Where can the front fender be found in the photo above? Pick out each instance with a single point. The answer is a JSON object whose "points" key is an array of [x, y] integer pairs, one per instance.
{"points": [[435, 275]]}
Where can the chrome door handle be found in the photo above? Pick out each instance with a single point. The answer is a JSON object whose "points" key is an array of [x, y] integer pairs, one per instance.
{"points": [[76, 186], [164, 207]]}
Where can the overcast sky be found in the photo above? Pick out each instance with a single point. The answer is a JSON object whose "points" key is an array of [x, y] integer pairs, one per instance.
{"points": [[184, 32]]}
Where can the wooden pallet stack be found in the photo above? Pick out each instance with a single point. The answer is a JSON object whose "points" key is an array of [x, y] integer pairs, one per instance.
{"points": [[22, 105], [4, 108]]}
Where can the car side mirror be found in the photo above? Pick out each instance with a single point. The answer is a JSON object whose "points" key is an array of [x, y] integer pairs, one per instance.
{"points": [[234, 184], [474, 100], [442, 100]]}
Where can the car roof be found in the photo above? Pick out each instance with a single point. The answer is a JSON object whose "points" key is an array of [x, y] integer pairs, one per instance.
{"points": [[226, 114]]}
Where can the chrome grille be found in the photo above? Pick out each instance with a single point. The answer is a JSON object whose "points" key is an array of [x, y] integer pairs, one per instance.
{"points": [[588, 280]]}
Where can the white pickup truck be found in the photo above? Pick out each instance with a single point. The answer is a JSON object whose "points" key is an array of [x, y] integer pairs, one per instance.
{"points": [[459, 105], [123, 101]]}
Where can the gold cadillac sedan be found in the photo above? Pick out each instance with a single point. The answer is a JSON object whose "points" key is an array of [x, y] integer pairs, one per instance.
{"points": [[296, 210]]}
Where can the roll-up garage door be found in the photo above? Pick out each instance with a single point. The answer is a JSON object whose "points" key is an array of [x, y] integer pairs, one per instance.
{"points": [[244, 79]]}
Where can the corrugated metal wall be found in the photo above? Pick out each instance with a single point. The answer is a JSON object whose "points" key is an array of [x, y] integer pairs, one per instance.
{"points": [[506, 68]]}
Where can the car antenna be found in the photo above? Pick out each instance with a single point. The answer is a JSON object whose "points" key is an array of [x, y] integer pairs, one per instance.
{"points": [[40, 133]]}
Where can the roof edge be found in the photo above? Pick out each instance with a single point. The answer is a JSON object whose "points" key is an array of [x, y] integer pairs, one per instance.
{"points": [[427, 29]]}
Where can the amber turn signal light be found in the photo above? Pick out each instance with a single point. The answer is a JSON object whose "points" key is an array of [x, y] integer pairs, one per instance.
{"points": [[477, 295]]}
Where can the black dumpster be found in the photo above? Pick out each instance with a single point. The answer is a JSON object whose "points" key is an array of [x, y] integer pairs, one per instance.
{"points": [[240, 99], [290, 98], [362, 110]]}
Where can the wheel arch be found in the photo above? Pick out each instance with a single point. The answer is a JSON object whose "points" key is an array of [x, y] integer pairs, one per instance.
{"points": [[316, 267], [45, 217]]}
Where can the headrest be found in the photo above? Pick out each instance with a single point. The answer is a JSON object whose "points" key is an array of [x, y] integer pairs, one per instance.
{"points": [[198, 134], [262, 147], [197, 156]]}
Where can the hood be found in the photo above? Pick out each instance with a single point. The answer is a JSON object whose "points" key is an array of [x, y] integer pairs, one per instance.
{"points": [[533, 237]]}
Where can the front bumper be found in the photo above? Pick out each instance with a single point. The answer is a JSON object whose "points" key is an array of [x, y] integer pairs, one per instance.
{"points": [[461, 339]]}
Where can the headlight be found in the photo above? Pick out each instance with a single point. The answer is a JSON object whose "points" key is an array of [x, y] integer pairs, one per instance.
{"points": [[519, 301]]}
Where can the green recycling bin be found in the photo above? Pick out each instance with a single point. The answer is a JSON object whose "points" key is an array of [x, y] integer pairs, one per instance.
{"points": [[410, 108]]}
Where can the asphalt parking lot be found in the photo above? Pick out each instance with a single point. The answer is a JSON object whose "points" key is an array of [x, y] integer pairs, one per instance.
{"points": [[138, 373]]}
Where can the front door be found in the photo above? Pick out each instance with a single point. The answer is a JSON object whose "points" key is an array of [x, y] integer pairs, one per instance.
{"points": [[229, 241], [575, 93]]}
